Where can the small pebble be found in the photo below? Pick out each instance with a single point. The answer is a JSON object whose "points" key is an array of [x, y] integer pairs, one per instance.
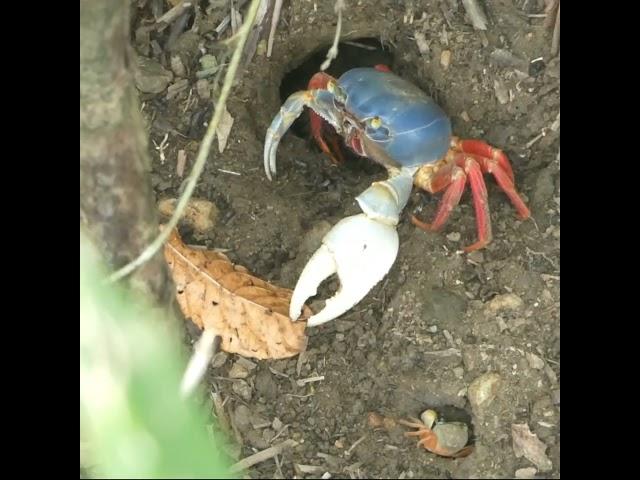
{"points": [[423, 44], [504, 58], [482, 391], [529, 472], [242, 389], [219, 359], [506, 301], [238, 371], [151, 76], [502, 94], [535, 361], [277, 424], [242, 417], [445, 59], [203, 88], [177, 66], [454, 237]]}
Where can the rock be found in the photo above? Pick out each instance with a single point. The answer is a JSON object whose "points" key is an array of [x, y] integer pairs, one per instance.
{"points": [[529, 472], [276, 424], [266, 385], [238, 371], [219, 359], [177, 66], [482, 391], [507, 301], [256, 440], [502, 94], [504, 58], [445, 59], [535, 361], [454, 237], [203, 88], [242, 418], [422, 43], [242, 389], [528, 445], [151, 77]]}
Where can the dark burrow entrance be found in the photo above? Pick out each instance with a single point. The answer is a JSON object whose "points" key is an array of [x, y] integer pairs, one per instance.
{"points": [[362, 52]]}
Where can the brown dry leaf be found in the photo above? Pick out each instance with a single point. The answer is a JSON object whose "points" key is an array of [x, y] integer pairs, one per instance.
{"points": [[528, 444], [250, 315]]}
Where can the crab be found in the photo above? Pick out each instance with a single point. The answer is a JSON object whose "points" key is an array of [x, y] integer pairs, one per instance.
{"points": [[446, 439], [383, 117]]}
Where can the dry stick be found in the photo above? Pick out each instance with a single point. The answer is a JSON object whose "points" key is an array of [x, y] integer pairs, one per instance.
{"points": [[274, 24], [333, 51], [201, 159], [263, 455], [555, 41]]}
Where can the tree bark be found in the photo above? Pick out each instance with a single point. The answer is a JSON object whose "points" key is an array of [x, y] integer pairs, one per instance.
{"points": [[117, 206]]}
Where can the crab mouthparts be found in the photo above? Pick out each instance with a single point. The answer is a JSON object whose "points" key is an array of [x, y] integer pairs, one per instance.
{"points": [[356, 145]]}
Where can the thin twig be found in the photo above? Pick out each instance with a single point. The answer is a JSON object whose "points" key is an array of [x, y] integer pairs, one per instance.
{"points": [[357, 442], [303, 381], [274, 24], [359, 45], [333, 51], [203, 152], [263, 455]]}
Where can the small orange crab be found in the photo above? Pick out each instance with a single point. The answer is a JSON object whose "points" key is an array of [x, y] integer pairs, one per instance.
{"points": [[445, 439]]}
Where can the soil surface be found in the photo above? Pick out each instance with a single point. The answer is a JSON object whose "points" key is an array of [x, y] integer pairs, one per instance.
{"points": [[474, 336]]}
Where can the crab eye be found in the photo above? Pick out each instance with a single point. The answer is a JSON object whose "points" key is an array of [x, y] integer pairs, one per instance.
{"points": [[337, 92], [376, 131]]}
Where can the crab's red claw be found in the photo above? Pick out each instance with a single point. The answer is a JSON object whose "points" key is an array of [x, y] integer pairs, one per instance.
{"points": [[326, 138]]}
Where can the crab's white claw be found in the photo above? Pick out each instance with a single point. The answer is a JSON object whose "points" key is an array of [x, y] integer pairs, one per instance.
{"points": [[361, 250]]}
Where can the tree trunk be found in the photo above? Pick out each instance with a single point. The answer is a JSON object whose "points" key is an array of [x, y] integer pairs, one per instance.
{"points": [[117, 206]]}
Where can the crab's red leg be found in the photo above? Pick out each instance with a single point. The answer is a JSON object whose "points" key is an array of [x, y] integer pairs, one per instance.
{"points": [[450, 199], [506, 184], [483, 149], [330, 146], [480, 201]]}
